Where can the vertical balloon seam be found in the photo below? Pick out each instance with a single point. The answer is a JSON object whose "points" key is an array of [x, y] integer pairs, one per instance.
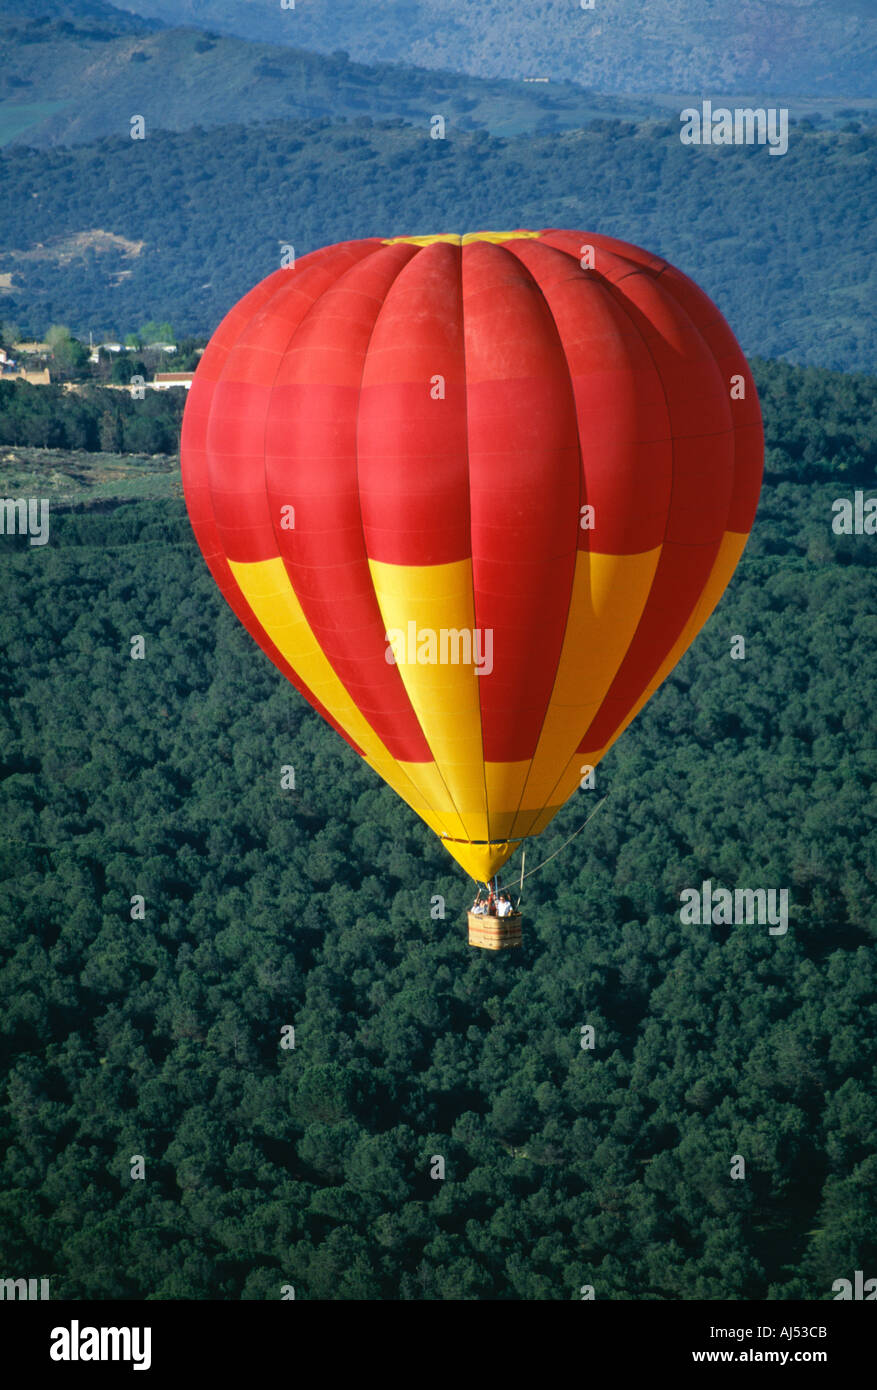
{"points": [[399, 779], [580, 472], [639, 702], [298, 682], [324, 319], [400, 769], [230, 586], [715, 318], [606, 287], [673, 439], [401, 776], [438, 813], [264, 450], [697, 603], [702, 603], [619, 298], [462, 264]]}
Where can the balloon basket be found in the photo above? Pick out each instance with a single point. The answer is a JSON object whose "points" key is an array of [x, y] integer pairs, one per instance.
{"points": [[495, 933]]}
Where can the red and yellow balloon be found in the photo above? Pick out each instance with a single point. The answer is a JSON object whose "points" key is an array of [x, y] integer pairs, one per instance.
{"points": [[550, 440]]}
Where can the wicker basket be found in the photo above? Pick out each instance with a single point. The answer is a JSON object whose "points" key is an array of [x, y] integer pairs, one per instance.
{"points": [[495, 933]]}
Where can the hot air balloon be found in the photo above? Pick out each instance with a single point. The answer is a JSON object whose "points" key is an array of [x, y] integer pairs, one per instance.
{"points": [[474, 496]]}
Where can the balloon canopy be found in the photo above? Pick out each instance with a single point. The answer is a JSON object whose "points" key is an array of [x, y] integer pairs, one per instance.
{"points": [[474, 496]]}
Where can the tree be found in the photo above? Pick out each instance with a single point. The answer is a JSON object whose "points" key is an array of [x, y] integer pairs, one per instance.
{"points": [[68, 354], [153, 332]]}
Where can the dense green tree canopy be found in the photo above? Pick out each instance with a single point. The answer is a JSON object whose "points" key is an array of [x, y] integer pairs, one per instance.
{"points": [[161, 1034], [189, 221]]}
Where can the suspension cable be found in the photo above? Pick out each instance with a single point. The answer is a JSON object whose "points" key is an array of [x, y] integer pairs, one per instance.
{"points": [[566, 842]]}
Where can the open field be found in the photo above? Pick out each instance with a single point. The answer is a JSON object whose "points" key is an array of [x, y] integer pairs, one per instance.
{"points": [[71, 477]]}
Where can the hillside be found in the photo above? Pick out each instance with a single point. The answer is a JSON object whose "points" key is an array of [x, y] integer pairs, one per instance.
{"points": [[777, 46], [780, 243], [68, 80], [78, 16], [158, 1035], [72, 476]]}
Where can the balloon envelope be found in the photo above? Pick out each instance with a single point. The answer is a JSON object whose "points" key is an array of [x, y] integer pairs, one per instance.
{"points": [[474, 496]]}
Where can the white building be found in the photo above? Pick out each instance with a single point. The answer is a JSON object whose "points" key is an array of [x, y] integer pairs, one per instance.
{"points": [[163, 381]]}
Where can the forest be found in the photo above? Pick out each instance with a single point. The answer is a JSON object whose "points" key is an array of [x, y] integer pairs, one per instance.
{"points": [[188, 222], [168, 912], [93, 419]]}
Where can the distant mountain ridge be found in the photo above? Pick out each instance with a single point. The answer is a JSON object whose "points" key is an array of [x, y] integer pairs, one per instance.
{"points": [[82, 72], [803, 47], [249, 146], [82, 14]]}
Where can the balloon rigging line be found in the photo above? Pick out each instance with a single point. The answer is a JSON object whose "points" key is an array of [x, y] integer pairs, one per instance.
{"points": [[566, 842]]}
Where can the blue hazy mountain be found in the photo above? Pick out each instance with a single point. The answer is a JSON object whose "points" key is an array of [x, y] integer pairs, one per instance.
{"points": [[783, 46], [83, 71]]}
